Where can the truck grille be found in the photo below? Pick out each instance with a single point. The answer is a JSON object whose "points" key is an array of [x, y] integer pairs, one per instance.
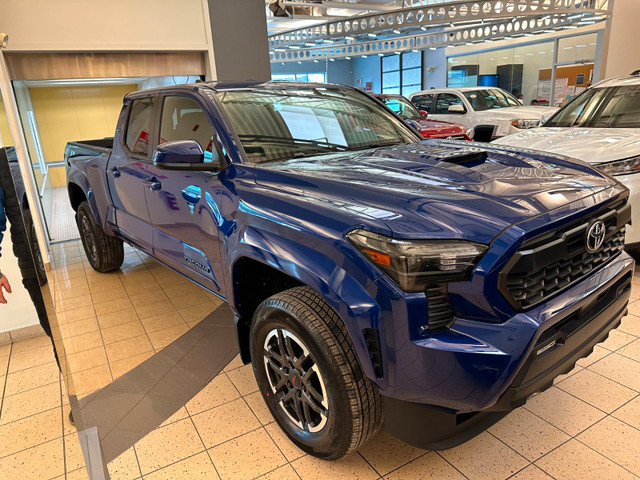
{"points": [[550, 263]]}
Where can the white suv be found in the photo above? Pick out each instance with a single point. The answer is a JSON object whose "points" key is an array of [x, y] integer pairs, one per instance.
{"points": [[601, 126], [490, 111]]}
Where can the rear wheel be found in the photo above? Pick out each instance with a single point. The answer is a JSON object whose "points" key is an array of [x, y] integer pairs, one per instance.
{"points": [[105, 253], [309, 375]]}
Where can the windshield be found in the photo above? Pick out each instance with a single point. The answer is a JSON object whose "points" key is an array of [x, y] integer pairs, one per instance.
{"points": [[402, 107], [290, 122], [488, 99], [612, 107]]}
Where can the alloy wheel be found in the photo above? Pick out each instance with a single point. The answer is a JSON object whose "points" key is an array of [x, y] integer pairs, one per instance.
{"points": [[88, 240], [295, 379]]}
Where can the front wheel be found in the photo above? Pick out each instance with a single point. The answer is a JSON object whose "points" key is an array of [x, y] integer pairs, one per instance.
{"points": [[309, 376], [105, 253]]}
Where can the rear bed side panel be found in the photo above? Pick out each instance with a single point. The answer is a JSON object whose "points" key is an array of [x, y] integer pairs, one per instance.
{"points": [[88, 173]]}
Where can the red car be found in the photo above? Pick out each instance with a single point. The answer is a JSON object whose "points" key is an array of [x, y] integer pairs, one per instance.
{"points": [[428, 128]]}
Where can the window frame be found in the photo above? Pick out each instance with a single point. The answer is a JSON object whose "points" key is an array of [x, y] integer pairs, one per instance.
{"points": [[202, 105], [434, 105], [152, 134]]}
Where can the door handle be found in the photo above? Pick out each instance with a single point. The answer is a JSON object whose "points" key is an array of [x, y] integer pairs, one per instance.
{"points": [[114, 172], [152, 184]]}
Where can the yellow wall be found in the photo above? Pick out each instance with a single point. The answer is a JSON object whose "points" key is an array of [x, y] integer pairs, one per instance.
{"points": [[66, 114], [5, 133]]}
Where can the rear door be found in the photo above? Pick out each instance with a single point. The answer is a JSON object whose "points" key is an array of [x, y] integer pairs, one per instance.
{"points": [[126, 172], [182, 204]]}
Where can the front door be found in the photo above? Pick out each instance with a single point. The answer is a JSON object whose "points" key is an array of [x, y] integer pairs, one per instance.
{"points": [[126, 173], [441, 109], [182, 204]]}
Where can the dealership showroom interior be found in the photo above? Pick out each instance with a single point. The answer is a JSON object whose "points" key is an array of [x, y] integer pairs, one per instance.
{"points": [[319, 239]]}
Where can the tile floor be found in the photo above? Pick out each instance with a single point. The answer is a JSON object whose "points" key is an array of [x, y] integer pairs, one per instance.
{"points": [[585, 427]]}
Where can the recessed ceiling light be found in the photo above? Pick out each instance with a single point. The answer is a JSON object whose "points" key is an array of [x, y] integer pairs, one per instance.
{"points": [[432, 48], [372, 35], [349, 37], [397, 32]]}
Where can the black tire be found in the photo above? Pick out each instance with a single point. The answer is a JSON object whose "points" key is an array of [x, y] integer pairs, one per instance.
{"points": [[353, 412], [105, 253], [32, 238]]}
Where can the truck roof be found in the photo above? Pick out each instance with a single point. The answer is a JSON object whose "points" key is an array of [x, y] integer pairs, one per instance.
{"points": [[236, 85]]}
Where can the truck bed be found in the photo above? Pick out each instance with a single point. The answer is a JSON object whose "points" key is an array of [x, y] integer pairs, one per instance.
{"points": [[89, 147]]}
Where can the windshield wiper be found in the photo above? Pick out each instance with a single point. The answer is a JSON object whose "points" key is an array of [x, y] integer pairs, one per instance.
{"points": [[376, 145], [297, 142]]}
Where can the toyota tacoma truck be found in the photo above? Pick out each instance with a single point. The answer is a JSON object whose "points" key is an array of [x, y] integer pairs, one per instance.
{"points": [[373, 275]]}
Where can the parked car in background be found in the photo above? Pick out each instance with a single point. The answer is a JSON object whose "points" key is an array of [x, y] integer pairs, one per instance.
{"points": [[601, 126], [428, 127], [440, 282], [492, 112]]}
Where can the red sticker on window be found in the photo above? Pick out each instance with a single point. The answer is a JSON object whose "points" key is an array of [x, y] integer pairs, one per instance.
{"points": [[210, 146], [195, 129]]}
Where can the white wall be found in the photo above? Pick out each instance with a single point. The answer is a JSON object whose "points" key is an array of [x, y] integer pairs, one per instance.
{"points": [[623, 54], [78, 25], [19, 311]]}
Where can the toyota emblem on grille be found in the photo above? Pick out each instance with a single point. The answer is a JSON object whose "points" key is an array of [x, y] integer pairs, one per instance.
{"points": [[595, 236]]}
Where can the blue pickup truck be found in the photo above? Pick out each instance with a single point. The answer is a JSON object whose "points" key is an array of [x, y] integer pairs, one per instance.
{"points": [[433, 284]]}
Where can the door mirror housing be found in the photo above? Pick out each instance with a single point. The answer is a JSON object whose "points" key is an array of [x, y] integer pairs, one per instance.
{"points": [[424, 113], [456, 109], [182, 155]]}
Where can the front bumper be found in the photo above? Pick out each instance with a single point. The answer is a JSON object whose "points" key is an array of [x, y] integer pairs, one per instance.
{"points": [[570, 334]]}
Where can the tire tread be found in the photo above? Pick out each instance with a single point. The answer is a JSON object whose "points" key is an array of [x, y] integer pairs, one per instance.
{"points": [[323, 321]]}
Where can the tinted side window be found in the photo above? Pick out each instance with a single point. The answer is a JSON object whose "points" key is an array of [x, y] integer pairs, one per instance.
{"points": [[423, 102], [139, 126], [445, 100], [183, 119]]}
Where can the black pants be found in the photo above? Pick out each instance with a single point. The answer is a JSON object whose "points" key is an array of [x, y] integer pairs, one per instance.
{"points": [[21, 248]]}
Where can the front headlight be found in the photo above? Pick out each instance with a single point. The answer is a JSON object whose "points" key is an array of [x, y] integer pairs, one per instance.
{"points": [[524, 123], [620, 167], [413, 264]]}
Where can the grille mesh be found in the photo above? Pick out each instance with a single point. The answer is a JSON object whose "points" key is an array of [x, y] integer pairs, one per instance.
{"points": [[531, 288]]}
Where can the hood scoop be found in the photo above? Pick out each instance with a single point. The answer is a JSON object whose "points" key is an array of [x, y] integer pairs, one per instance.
{"points": [[468, 159]]}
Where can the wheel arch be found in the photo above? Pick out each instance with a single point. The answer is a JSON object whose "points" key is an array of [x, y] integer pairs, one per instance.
{"points": [[354, 305]]}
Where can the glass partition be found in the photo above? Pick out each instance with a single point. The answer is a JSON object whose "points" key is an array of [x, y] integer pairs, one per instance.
{"points": [[520, 71]]}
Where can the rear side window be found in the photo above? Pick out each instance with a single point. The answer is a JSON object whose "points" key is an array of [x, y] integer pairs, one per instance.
{"points": [[183, 119], [139, 126], [423, 102]]}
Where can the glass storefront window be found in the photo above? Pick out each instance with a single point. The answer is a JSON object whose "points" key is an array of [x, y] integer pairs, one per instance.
{"points": [[301, 77], [519, 70]]}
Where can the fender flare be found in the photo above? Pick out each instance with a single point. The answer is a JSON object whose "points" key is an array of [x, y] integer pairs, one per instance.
{"points": [[339, 289]]}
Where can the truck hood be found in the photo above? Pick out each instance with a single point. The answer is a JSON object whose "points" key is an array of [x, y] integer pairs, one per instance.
{"points": [[435, 188], [592, 145], [517, 113]]}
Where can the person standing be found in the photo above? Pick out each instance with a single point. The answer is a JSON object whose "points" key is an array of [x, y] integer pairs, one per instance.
{"points": [[4, 281]]}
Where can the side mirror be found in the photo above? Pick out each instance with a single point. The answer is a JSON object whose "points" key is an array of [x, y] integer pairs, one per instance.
{"points": [[456, 109], [182, 155], [424, 113]]}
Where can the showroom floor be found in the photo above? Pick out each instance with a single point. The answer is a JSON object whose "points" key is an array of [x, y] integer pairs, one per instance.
{"points": [[585, 427]]}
